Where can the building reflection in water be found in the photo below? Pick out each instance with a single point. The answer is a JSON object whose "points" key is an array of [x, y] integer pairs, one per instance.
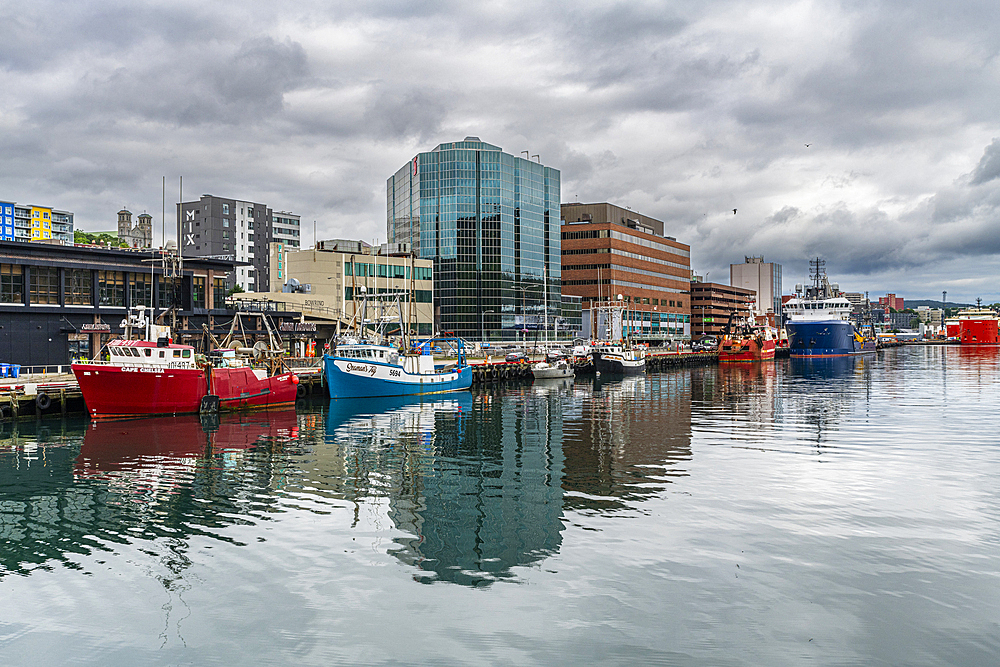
{"points": [[154, 479], [473, 481], [631, 436]]}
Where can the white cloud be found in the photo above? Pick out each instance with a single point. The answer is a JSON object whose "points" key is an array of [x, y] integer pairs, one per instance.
{"points": [[682, 113]]}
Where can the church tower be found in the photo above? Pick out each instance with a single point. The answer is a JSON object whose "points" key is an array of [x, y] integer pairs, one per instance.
{"points": [[143, 234], [125, 225]]}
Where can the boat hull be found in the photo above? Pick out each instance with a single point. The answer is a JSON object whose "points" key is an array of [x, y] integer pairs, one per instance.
{"points": [[746, 350], [978, 332], [122, 391], [352, 378], [553, 373], [241, 389], [830, 338], [618, 365]]}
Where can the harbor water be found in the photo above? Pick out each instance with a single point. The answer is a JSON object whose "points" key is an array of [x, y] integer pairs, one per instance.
{"points": [[828, 511]]}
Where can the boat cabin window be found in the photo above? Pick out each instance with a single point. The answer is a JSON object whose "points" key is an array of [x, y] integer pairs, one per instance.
{"points": [[149, 352], [177, 354], [133, 352], [187, 354], [161, 354]]}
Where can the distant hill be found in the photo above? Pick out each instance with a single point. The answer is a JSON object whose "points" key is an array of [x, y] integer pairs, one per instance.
{"points": [[930, 303]]}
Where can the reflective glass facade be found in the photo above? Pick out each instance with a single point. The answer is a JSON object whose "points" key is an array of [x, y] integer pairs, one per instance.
{"points": [[491, 223]]}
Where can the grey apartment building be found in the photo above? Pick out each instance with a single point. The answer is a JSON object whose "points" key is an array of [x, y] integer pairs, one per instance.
{"points": [[490, 221], [232, 229]]}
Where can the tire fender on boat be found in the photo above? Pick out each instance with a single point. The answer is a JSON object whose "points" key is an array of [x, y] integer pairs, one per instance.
{"points": [[43, 401]]}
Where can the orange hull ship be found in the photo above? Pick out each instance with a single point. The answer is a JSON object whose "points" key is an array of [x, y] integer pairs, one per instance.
{"points": [[746, 348], [744, 342]]}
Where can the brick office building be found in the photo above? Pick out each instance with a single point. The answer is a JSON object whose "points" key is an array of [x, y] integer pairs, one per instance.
{"points": [[711, 304], [608, 250]]}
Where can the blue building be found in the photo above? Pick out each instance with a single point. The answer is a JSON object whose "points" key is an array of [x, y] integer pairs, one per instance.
{"points": [[491, 223]]}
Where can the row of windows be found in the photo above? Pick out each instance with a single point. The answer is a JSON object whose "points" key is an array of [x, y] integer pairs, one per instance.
{"points": [[79, 287], [628, 238], [622, 283], [365, 270], [618, 267], [647, 301], [621, 253], [419, 296]]}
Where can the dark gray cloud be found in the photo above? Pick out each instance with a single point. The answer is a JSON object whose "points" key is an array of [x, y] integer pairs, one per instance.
{"points": [[989, 166], [683, 112]]}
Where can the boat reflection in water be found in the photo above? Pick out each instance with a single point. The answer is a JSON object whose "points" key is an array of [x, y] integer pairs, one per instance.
{"points": [[821, 390], [473, 482], [629, 441], [160, 480], [128, 445]]}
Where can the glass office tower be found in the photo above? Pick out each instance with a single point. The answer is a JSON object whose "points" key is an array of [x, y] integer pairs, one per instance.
{"points": [[490, 221]]}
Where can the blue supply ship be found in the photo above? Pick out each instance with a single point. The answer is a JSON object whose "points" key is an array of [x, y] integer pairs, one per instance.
{"points": [[364, 370], [819, 323]]}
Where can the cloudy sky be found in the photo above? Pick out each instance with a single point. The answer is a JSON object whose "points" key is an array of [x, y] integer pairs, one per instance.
{"points": [[681, 110]]}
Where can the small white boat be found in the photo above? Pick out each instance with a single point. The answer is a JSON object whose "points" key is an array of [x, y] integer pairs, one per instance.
{"points": [[544, 370]]}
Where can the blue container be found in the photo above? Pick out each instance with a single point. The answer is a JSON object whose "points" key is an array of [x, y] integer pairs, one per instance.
{"points": [[15, 370], [4, 370]]}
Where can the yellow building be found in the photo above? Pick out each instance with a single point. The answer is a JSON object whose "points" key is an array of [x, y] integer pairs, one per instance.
{"points": [[41, 223], [332, 283]]}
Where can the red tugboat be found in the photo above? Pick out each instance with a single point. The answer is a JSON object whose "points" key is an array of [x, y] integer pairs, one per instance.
{"points": [[978, 326], [744, 341], [156, 376]]}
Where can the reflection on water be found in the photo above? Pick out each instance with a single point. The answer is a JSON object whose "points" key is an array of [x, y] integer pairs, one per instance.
{"points": [[630, 437], [127, 480], [676, 518]]}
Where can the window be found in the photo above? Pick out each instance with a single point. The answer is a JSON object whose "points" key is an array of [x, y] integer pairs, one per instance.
{"points": [[140, 289], [225, 234], [219, 288], [225, 209], [11, 283], [168, 293], [198, 292], [225, 223], [78, 287], [44, 285]]}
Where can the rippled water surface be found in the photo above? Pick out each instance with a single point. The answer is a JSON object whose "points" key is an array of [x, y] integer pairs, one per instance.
{"points": [[834, 512]]}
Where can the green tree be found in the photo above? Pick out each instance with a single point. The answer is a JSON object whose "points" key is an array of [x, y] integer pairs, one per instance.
{"points": [[235, 289]]}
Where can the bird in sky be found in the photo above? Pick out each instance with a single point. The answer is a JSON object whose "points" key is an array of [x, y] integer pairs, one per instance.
{"points": [[808, 145], [734, 211]]}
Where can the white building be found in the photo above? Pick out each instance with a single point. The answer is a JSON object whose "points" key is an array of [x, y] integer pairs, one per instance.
{"points": [[762, 277]]}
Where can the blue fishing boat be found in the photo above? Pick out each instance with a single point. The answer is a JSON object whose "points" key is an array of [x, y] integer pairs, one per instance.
{"points": [[359, 369], [819, 321]]}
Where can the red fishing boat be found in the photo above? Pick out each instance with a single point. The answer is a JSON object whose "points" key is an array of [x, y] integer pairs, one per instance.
{"points": [[744, 341], [156, 376]]}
